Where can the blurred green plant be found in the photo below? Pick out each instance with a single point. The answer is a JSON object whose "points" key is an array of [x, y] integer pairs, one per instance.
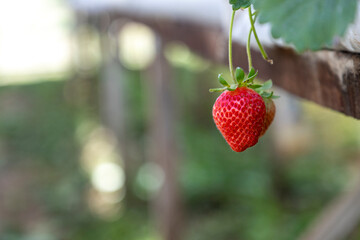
{"points": [[226, 195]]}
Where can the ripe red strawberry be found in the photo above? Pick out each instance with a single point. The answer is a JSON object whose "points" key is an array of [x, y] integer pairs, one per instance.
{"points": [[239, 115], [270, 114]]}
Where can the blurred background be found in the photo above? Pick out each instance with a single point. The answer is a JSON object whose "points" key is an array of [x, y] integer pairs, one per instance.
{"points": [[106, 133]]}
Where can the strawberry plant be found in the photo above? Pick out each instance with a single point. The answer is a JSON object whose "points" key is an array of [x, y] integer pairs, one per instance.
{"points": [[306, 24], [245, 109]]}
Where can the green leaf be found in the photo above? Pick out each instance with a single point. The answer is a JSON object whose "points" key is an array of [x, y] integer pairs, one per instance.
{"points": [[222, 80], [307, 24], [274, 97], [255, 86], [251, 77], [239, 74], [266, 94], [252, 72], [216, 89], [233, 87], [266, 86], [237, 4]]}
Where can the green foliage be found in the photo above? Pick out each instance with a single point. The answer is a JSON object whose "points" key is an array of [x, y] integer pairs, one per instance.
{"points": [[226, 195], [239, 75], [30, 119], [38, 133], [232, 196], [222, 81], [247, 195], [266, 86], [217, 89], [243, 80], [307, 24], [251, 76], [237, 4]]}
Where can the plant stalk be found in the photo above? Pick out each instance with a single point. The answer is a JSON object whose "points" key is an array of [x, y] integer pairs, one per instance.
{"points": [[248, 51], [263, 53], [231, 68]]}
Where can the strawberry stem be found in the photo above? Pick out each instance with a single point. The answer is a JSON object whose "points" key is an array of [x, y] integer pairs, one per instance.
{"points": [[248, 51], [263, 53], [231, 68]]}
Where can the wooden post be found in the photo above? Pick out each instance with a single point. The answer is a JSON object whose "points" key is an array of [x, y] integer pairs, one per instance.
{"points": [[111, 85], [112, 96], [162, 149]]}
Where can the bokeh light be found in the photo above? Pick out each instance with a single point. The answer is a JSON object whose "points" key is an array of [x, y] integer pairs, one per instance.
{"points": [[137, 46], [149, 180], [108, 177], [36, 43]]}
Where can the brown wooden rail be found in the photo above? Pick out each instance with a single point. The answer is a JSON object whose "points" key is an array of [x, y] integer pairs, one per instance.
{"points": [[329, 78]]}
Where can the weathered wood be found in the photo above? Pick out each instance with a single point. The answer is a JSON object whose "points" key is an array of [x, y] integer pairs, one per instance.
{"points": [[338, 219], [329, 78]]}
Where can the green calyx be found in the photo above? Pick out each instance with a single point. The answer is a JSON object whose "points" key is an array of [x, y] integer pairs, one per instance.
{"points": [[241, 79], [246, 80]]}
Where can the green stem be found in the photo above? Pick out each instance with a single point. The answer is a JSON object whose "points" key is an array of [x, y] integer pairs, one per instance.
{"points": [[263, 53], [231, 68], [248, 51]]}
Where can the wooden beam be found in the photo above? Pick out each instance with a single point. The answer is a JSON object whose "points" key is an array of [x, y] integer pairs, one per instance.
{"points": [[338, 219], [329, 78]]}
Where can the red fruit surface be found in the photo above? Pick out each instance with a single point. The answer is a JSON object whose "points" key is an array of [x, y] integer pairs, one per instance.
{"points": [[239, 116], [270, 114]]}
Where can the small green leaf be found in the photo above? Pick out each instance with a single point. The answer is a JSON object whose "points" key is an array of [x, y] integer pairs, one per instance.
{"points": [[237, 4], [239, 74], [216, 89], [251, 77], [233, 87], [251, 72], [267, 85], [265, 94], [307, 24], [254, 86], [222, 80], [274, 97]]}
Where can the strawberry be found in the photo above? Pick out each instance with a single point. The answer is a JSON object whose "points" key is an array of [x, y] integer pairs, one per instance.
{"points": [[239, 115], [244, 110], [270, 114], [239, 112]]}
